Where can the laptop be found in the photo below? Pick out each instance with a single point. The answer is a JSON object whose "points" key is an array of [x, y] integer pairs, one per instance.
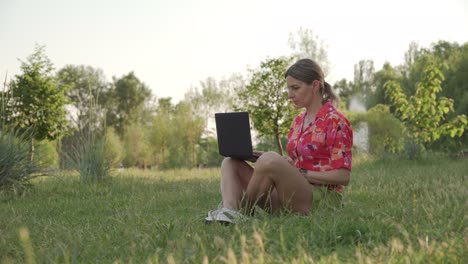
{"points": [[234, 139]]}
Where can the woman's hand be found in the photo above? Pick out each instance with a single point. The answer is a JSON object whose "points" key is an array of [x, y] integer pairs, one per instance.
{"points": [[339, 176], [255, 155], [258, 153]]}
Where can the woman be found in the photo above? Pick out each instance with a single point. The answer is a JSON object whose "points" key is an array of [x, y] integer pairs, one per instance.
{"points": [[319, 146]]}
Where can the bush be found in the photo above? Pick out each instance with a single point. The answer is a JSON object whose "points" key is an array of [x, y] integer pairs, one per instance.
{"points": [[15, 165], [114, 150], [386, 131], [90, 160], [46, 155]]}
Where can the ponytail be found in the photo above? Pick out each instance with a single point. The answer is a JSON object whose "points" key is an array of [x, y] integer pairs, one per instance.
{"points": [[328, 94]]}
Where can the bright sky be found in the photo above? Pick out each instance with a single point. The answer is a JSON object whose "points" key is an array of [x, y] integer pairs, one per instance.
{"points": [[172, 45]]}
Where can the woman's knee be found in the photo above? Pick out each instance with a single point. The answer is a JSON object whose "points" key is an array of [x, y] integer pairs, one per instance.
{"points": [[230, 163], [268, 161]]}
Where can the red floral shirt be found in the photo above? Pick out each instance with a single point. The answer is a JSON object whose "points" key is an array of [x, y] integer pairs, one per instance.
{"points": [[326, 144]]}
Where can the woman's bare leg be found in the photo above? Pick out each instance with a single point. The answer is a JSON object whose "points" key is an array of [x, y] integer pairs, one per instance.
{"points": [[272, 171], [235, 176]]}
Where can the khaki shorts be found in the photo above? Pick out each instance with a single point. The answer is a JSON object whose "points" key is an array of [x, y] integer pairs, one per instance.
{"points": [[327, 199]]}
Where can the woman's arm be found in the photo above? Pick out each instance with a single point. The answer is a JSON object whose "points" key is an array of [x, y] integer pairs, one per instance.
{"points": [[339, 176]]}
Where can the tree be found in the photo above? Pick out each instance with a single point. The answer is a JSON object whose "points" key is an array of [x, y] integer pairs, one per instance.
{"points": [[126, 102], [381, 77], [114, 149], [160, 130], [188, 128], [344, 89], [37, 102], [87, 86], [452, 60], [265, 98], [136, 147], [363, 84], [423, 113], [306, 44]]}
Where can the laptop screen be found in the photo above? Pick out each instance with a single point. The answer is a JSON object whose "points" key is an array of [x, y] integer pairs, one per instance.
{"points": [[233, 131]]}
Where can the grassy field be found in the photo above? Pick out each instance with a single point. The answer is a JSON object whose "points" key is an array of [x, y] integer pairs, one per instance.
{"points": [[396, 211]]}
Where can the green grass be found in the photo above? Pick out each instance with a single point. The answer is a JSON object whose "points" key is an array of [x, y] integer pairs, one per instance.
{"points": [[395, 211]]}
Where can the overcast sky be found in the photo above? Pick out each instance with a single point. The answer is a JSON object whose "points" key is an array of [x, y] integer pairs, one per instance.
{"points": [[172, 45]]}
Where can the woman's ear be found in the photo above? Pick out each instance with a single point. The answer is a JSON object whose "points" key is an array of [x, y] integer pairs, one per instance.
{"points": [[316, 87]]}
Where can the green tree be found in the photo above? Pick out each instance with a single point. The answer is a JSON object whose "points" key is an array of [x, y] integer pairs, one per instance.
{"points": [[363, 83], [424, 113], [381, 77], [160, 130], [265, 98], [188, 128], [136, 146], [87, 86], [306, 44], [126, 102], [37, 102], [114, 150], [344, 89]]}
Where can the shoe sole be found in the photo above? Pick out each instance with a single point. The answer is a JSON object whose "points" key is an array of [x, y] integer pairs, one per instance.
{"points": [[224, 223]]}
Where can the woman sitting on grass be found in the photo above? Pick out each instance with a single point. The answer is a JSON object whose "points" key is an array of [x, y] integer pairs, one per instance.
{"points": [[319, 147]]}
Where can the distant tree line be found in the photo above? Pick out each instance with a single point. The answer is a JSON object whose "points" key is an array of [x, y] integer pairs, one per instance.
{"points": [[441, 69], [59, 108]]}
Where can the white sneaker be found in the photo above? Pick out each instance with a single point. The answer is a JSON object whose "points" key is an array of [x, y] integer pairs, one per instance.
{"points": [[223, 215], [212, 215]]}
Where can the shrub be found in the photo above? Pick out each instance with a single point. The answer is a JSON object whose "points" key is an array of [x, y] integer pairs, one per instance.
{"points": [[89, 158], [15, 164], [114, 150], [386, 131], [46, 155]]}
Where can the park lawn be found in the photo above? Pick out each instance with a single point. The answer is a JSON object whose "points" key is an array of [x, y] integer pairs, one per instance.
{"points": [[395, 211]]}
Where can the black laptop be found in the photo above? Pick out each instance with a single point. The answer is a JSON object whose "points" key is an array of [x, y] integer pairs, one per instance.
{"points": [[234, 139]]}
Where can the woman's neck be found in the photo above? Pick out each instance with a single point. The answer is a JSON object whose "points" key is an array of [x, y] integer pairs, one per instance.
{"points": [[314, 108]]}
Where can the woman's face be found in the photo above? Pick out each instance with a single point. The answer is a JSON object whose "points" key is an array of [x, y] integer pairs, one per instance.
{"points": [[301, 93]]}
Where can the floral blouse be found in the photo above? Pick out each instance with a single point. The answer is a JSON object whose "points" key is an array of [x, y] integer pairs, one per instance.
{"points": [[326, 144]]}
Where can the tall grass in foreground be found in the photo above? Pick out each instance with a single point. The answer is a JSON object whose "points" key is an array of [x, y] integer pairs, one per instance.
{"points": [[16, 167], [89, 159], [395, 211]]}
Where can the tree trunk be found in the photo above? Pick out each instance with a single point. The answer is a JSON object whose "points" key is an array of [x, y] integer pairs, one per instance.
{"points": [[279, 146], [31, 150]]}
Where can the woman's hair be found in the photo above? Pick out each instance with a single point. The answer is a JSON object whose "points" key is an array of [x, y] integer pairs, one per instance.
{"points": [[307, 70]]}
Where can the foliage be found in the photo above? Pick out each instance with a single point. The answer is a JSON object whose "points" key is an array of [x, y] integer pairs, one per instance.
{"points": [[114, 151], [187, 129], [176, 134], [36, 100], [47, 157], [363, 83], [160, 130], [386, 132], [423, 113], [306, 44], [266, 100], [380, 78], [16, 168], [208, 155], [157, 217], [136, 147], [86, 85], [89, 158], [344, 89], [126, 102]]}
